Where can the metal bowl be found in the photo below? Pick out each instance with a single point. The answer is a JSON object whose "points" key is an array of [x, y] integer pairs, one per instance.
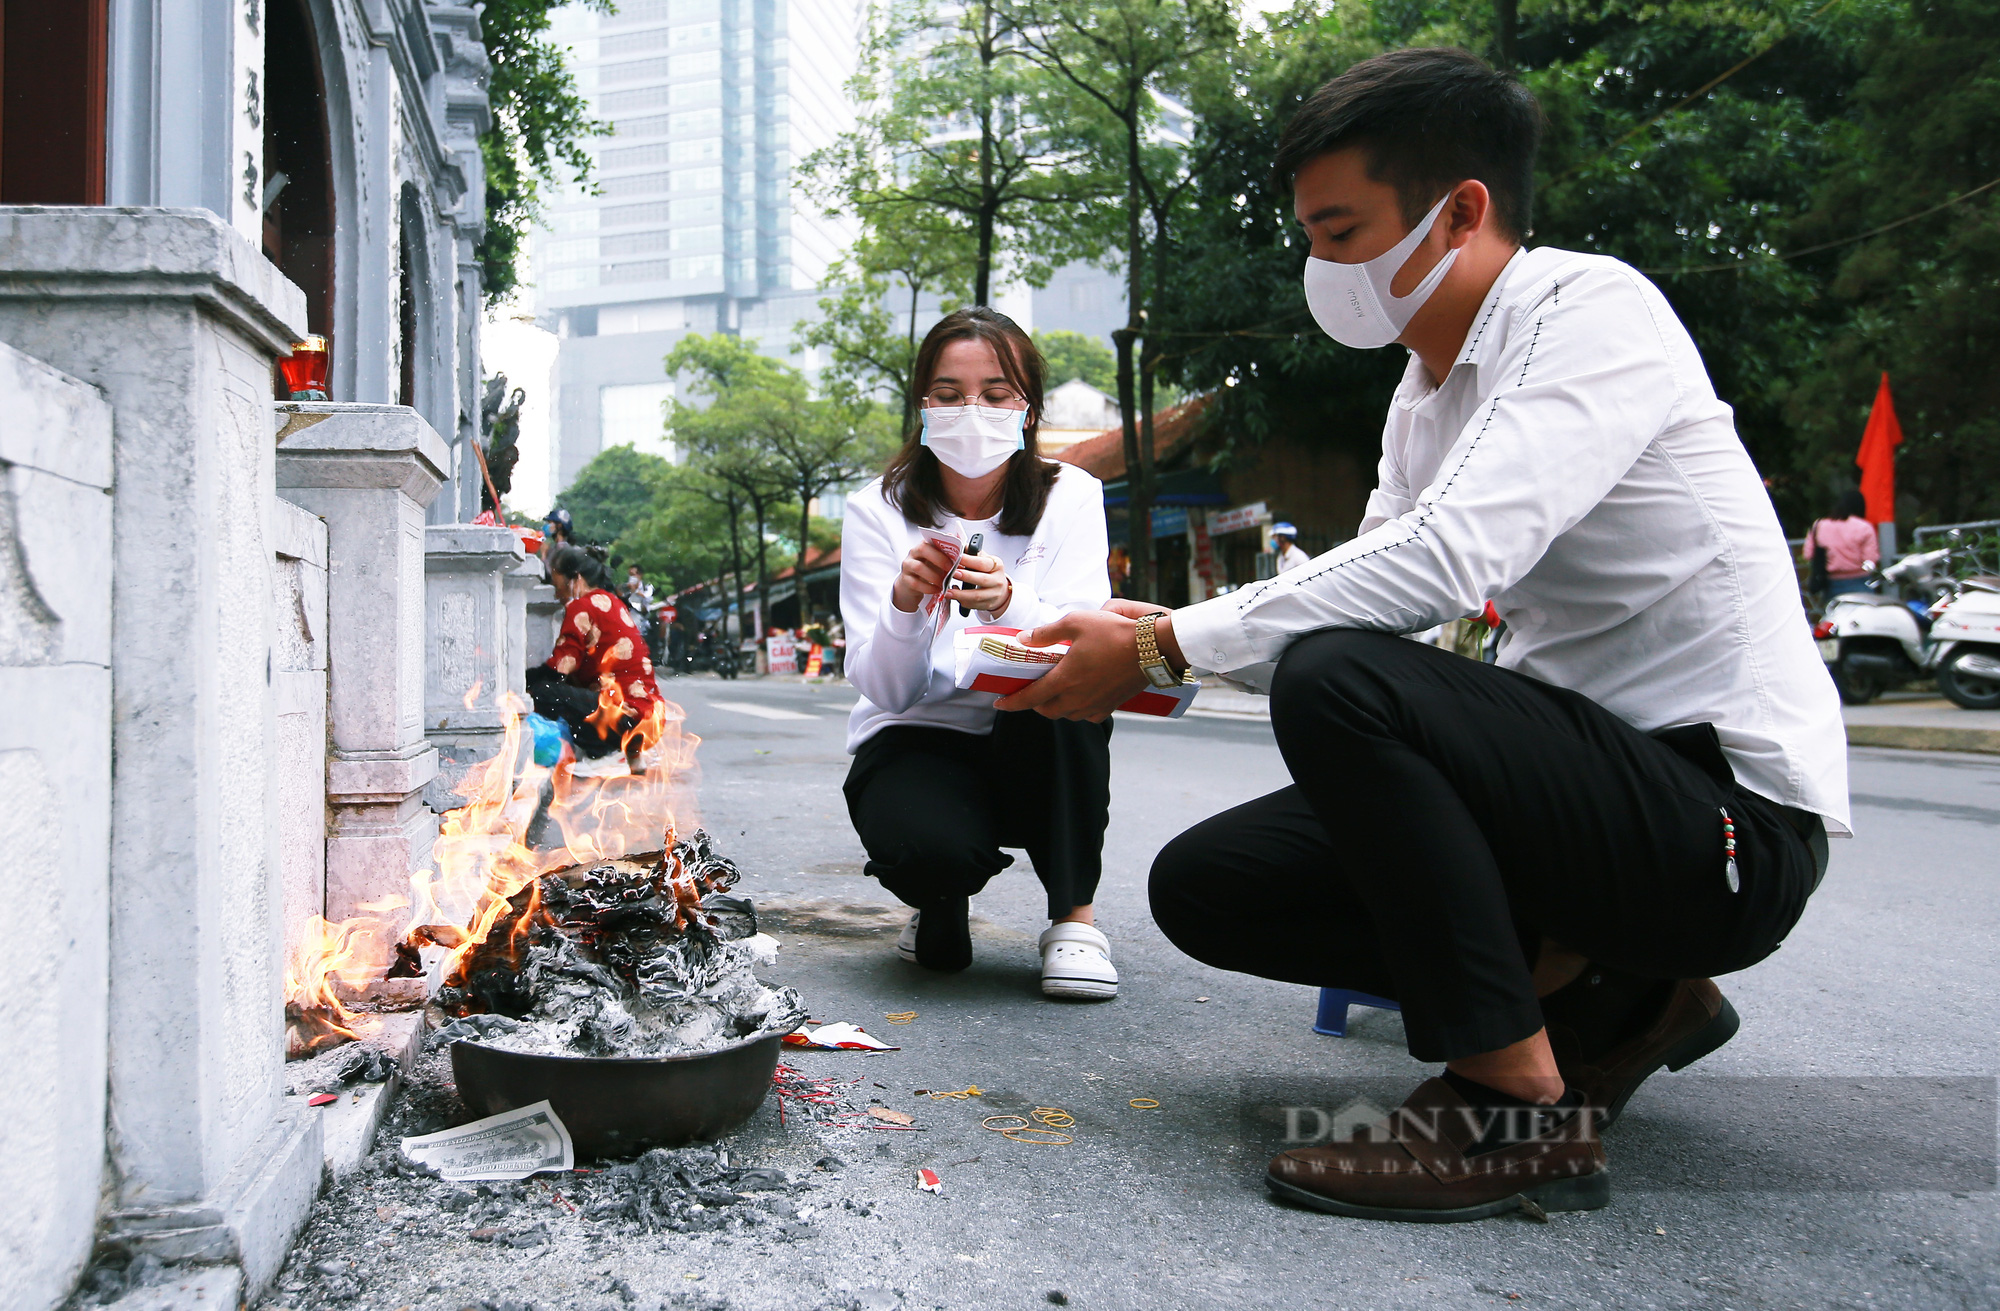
{"points": [[621, 1106]]}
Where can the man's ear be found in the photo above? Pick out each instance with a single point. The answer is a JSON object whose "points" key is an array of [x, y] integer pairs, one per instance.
{"points": [[1470, 210]]}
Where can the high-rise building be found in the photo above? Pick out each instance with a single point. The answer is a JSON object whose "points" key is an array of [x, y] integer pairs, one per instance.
{"points": [[697, 221]]}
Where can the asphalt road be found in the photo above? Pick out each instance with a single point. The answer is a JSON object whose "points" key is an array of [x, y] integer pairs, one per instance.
{"points": [[1840, 1152]]}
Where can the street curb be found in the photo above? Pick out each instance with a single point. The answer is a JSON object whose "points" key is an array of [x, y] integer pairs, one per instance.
{"points": [[1911, 737]]}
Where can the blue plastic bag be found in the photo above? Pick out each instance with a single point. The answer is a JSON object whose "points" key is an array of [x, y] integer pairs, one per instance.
{"points": [[550, 737]]}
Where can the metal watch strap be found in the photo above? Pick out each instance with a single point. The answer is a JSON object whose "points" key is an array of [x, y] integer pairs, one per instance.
{"points": [[1151, 661]]}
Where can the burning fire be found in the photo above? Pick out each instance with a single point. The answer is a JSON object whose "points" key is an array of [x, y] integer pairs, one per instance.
{"points": [[520, 821]]}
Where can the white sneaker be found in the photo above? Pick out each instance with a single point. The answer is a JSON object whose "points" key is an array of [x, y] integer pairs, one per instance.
{"points": [[906, 942], [1076, 963]]}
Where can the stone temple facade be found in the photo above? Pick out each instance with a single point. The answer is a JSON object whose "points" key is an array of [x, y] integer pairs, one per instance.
{"points": [[236, 632]]}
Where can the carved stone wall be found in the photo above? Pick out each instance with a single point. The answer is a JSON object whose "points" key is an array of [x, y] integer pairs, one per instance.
{"points": [[55, 776], [298, 678], [177, 320]]}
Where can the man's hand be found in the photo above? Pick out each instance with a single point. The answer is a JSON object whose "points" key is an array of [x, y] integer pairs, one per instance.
{"points": [[1100, 673]]}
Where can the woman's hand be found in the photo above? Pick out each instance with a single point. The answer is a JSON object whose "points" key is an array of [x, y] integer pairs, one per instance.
{"points": [[922, 575], [985, 585]]}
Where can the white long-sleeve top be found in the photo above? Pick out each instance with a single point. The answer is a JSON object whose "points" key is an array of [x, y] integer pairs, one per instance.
{"points": [[902, 664], [1576, 469]]}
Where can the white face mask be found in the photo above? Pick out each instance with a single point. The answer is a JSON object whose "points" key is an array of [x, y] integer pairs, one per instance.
{"points": [[974, 440], [1352, 303]]}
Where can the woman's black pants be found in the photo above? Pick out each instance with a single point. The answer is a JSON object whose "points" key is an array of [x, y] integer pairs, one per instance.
{"points": [[1447, 816], [933, 807], [556, 699]]}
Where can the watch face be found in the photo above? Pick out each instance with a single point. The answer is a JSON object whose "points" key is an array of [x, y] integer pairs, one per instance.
{"points": [[1161, 676]]}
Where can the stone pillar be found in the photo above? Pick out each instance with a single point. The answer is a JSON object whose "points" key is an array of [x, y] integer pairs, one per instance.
{"points": [[55, 773], [544, 622], [299, 682], [369, 471], [522, 581], [470, 661], [177, 319]]}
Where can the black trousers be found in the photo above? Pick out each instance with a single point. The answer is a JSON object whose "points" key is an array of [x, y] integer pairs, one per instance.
{"points": [[1446, 816], [933, 807], [573, 705]]}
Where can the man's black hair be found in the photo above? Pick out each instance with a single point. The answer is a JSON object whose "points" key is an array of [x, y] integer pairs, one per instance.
{"points": [[1427, 119]]}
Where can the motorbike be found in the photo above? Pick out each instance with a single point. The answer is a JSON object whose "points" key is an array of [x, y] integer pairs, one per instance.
{"points": [[1917, 621], [712, 650]]}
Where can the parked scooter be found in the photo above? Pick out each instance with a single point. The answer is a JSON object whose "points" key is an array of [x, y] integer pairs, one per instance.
{"points": [[1918, 621], [1966, 633], [712, 650]]}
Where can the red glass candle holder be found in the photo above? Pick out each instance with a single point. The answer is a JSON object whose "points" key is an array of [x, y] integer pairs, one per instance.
{"points": [[305, 371]]}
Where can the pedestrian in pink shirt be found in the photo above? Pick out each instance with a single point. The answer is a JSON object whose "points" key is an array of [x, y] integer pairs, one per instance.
{"points": [[1849, 542]]}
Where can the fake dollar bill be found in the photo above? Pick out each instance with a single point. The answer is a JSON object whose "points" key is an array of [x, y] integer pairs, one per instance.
{"points": [[954, 548], [510, 1145]]}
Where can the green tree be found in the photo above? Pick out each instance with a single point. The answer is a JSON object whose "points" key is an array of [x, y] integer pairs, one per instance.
{"points": [[868, 325], [957, 135], [686, 536], [1077, 355], [1910, 213], [1121, 57], [613, 492], [539, 125], [803, 444]]}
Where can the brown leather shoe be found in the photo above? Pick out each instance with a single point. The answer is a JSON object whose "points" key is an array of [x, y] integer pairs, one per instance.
{"points": [[1419, 1169], [1695, 1021]]}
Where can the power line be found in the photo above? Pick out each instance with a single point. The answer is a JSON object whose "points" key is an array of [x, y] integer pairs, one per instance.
{"points": [[1694, 95], [1739, 264]]}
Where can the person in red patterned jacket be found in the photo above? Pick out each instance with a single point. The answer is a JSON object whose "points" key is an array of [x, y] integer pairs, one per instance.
{"points": [[599, 648]]}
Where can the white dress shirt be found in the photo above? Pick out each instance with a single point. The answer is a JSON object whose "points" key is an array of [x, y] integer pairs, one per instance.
{"points": [[903, 664], [1576, 469], [1292, 558]]}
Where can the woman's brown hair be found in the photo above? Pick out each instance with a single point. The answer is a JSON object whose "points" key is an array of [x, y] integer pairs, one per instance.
{"points": [[912, 482]]}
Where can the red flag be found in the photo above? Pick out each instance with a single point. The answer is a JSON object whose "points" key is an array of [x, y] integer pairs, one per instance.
{"points": [[1877, 457]]}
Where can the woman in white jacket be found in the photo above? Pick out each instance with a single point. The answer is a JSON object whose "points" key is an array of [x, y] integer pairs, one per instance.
{"points": [[941, 780]]}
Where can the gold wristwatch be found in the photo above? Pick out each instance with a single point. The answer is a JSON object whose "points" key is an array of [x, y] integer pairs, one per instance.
{"points": [[1151, 662]]}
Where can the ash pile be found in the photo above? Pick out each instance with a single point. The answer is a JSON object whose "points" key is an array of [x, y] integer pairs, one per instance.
{"points": [[637, 957]]}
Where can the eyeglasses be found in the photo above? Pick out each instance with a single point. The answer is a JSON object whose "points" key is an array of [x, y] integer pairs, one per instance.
{"points": [[1000, 398]]}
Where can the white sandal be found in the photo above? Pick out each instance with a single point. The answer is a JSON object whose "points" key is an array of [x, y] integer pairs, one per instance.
{"points": [[1076, 963]]}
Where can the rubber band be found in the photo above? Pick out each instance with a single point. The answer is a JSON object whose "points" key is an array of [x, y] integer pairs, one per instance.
{"points": [[900, 1017], [987, 1123], [1054, 1139], [1143, 1104], [1054, 1117], [959, 1096]]}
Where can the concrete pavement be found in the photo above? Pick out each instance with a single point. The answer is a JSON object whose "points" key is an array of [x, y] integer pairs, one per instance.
{"points": [[1924, 721]]}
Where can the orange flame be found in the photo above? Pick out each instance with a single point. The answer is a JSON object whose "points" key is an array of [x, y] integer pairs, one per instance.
{"points": [[520, 821], [328, 955], [472, 695]]}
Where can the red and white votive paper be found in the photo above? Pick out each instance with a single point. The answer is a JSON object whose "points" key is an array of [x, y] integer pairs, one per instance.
{"points": [[992, 659]]}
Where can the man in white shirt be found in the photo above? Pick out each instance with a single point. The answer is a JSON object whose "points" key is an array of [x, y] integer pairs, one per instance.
{"points": [[1287, 550], [1540, 860]]}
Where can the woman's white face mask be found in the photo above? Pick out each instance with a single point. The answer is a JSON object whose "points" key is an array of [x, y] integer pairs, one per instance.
{"points": [[1352, 303], [973, 440]]}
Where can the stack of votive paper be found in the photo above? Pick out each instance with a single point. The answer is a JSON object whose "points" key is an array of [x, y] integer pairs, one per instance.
{"points": [[992, 659]]}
